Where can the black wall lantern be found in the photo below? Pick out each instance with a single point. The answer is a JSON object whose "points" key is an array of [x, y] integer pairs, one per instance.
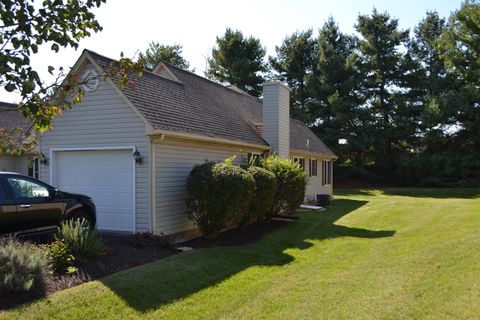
{"points": [[43, 159], [137, 157]]}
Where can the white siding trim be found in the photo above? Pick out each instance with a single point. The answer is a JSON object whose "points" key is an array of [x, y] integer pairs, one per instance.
{"points": [[132, 148], [153, 189]]}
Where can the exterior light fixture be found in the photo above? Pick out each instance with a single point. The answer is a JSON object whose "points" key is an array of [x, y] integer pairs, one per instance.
{"points": [[43, 160], [137, 157]]}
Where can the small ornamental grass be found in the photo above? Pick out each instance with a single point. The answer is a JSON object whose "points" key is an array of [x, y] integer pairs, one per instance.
{"points": [[22, 266], [82, 242]]}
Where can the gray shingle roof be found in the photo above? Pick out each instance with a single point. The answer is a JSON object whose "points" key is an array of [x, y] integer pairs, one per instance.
{"points": [[10, 118], [195, 105]]}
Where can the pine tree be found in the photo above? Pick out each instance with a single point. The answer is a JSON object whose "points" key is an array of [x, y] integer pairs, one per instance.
{"points": [[157, 53], [293, 65], [335, 112], [381, 64], [239, 61]]}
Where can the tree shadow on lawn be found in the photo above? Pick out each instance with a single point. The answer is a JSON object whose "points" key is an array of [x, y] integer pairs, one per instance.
{"points": [[438, 193], [152, 286]]}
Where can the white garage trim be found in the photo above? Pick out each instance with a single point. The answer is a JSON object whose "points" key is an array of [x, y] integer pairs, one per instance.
{"points": [[53, 179]]}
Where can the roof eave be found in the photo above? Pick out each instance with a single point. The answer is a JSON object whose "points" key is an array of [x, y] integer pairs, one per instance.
{"points": [[313, 154], [159, 132]]}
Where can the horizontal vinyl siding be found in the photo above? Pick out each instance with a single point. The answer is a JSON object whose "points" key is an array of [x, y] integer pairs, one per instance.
{"points": [[314, 185], [276, 118], [174, 159], [14, 164], [284, 122], [102, 120]]}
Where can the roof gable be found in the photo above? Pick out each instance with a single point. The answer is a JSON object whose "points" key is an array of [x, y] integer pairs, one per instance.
{"points": [[162, 70]]}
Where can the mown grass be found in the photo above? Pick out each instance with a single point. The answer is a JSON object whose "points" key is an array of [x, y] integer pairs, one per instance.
{"points": [[375, 254]]}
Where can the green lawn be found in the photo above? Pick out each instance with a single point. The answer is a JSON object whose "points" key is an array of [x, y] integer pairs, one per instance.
{"points": [[395, 253]]}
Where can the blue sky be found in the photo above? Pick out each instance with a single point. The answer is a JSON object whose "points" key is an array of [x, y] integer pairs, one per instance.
{"points": [[195, 24]]}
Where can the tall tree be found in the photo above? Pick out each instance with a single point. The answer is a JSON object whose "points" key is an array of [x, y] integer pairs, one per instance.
{"points": [[335, 112], [382, 67], [157, 52], [460, 46], [460, 49], [239, 61], [293, 65], [429, 83]]}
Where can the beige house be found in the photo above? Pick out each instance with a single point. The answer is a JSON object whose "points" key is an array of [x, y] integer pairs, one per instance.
{"points": [[131, 149], [10, 119]]}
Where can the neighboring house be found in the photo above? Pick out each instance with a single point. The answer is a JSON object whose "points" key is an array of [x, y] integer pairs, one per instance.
{"points": [[131, 149], [10, 119]]}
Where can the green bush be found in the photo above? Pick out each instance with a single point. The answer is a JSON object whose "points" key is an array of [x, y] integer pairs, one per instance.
{"points": [[291, 183], [82, 242], [217, 195], [198, 200], [266, 188], [22, 266], [60, 257], [233, 191]]}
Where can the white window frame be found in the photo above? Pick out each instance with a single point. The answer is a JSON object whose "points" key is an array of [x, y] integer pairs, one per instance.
{"points": [[35, 168], [327, 170], [310, 171]]}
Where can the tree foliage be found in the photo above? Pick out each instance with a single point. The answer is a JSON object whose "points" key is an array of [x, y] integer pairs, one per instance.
{"points": [[405, 105], [239, 61], [27, 27], [156, 53], [293, 65]]}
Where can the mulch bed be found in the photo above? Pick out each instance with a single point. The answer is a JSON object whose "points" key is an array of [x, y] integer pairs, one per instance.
{"points": [[238, 237], [123, 254]]}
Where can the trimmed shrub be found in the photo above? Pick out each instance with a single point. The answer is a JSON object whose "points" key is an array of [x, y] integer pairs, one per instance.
{"points": [[233, 190], [291, 183], [218, 194], [199, 184], [60, 257], [266, 188], [82, 241], [22, 266]]}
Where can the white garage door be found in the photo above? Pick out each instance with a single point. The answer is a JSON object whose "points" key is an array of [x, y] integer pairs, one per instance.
{"points": [[104, 175]]}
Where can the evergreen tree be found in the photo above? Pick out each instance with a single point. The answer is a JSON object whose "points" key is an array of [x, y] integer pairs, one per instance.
{"points": [[335, 112], [293, 65], [157, 53], [239, 61], [460, 49], [382, 66]]}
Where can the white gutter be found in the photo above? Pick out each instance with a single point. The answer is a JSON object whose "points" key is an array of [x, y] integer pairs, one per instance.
{"points": [[188, 136]]}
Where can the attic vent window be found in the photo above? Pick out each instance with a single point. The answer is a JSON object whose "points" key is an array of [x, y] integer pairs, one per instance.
{"points": [[90, 80]]}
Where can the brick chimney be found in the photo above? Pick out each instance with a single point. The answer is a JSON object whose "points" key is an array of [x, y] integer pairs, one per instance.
{"points": [[276, 117]]}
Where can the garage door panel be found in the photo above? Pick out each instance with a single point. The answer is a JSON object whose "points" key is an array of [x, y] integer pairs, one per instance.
{"points": [[104, 175]]}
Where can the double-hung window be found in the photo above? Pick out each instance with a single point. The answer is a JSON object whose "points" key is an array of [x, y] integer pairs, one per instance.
{"points": [[33, 169], [313, 172], [326, 172]]}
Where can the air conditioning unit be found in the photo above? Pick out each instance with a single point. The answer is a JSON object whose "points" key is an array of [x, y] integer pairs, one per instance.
{"points": [[323, 199]]}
